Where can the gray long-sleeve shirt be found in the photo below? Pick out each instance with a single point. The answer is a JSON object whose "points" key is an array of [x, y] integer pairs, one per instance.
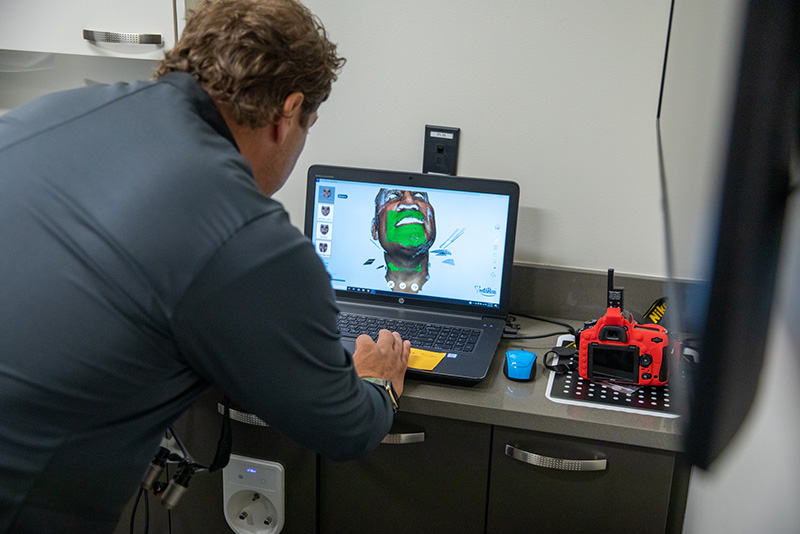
{"points": [[139, 263]]}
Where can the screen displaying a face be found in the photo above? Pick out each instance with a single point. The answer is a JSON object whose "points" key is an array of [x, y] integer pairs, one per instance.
{"points": [[434, 243]]}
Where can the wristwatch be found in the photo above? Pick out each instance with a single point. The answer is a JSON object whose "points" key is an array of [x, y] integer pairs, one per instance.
{"points": [[386, 385]]}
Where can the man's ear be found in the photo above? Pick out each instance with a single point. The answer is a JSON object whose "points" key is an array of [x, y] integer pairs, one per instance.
{"points": [[375, 228], [289, 117]]}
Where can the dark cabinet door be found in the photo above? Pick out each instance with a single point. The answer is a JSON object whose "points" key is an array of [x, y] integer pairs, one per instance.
{"points": [[201, 509], [433, 479], [545, 483]]}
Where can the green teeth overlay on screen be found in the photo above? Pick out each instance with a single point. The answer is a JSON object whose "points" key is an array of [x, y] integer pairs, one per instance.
{"points": [[408, 235], [393, 267]]}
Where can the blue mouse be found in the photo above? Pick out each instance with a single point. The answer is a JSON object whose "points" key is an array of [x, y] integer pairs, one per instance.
{"points": [[520, 365]]}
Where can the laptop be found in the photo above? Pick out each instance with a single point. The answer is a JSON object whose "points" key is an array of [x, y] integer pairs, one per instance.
{"points": [[426, 255]]}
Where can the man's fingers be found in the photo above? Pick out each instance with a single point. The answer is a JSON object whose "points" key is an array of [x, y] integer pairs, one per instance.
{"points": [[391, 341], [406, 351], [398, 341], [363, 338], [389, 338], [383, 335]]}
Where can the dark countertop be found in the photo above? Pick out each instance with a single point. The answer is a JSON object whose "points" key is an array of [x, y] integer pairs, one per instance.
{"points": [[523, 405]]}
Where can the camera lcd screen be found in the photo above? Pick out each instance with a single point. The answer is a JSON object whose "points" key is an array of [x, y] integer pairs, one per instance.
{"points": [[613, 362]]}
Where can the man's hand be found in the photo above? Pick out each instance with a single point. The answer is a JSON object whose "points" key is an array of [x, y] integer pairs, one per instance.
{"points": [[386, 358]]}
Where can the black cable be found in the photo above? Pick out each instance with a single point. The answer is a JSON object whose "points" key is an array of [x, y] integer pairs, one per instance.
{"points": [[540, 336], [224, 445], [146, 508], [146, 513], [570, 328], [169, 512], [561, 367], [135, 506]]}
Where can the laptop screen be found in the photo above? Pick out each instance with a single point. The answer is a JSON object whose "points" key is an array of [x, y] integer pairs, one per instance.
{"points": [[421, 237]]}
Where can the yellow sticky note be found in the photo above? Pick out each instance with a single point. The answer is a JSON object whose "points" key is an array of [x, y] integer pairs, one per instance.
{"points": [[424, 360]]}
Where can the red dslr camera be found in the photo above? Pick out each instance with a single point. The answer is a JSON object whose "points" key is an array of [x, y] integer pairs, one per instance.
{"points": [[618, 349]]}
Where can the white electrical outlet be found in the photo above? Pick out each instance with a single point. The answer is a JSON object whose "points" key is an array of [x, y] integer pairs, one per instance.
{"points": [[253, 495]]}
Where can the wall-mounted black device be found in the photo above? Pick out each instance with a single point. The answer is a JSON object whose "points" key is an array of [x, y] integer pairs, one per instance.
{"points": [[440, 152]]}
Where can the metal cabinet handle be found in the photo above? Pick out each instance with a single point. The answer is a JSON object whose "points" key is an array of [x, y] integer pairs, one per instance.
{"points": [[242, 417], [555, 463], [123, 38], [404, 438], [400, 438]]}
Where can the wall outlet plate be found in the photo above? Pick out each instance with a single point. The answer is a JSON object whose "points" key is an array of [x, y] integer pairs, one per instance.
{"points": [[440, 151], [253, 495]]}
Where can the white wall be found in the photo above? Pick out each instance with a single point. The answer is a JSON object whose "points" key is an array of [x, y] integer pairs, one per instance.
{"points": [[695, 120], [558, 95]]}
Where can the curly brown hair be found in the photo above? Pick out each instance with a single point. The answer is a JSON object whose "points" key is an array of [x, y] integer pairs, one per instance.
{"points": [[249, 55]]}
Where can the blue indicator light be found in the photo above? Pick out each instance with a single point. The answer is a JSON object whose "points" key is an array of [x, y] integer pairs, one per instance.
{"points": [[251, 470]]}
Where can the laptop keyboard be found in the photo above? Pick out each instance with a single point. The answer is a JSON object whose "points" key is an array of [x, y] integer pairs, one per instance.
{"points": [[428, 336]]}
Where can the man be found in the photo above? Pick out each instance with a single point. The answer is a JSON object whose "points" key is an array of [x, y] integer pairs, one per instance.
{"points": [[405, 226], [143, 261]]}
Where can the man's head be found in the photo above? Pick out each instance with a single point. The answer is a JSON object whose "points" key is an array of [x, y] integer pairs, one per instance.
{"points": [[250, 55], [404, 222], [268, 65]]}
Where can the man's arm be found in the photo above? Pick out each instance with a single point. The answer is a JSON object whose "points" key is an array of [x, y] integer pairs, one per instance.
{"points": [[260, 322]]}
